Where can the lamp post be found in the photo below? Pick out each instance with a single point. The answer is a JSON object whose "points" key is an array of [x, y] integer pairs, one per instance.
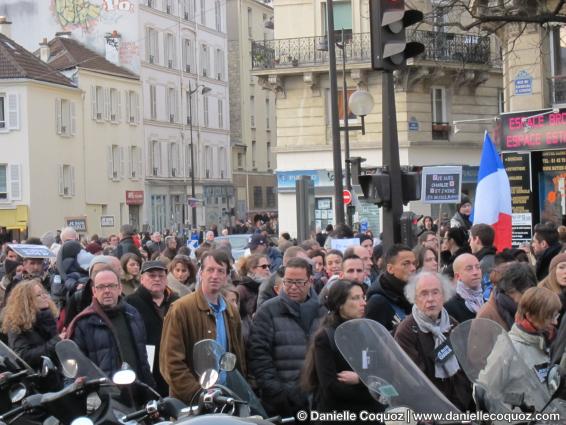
{"points": [[193, 194]]}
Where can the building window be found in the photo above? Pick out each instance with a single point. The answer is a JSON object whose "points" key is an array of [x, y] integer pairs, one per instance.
{"points": [[132, 107], [3, 182], [253, 153], [115, 162], [252, 111], [172, 104], [188, 55], [270, 197], [174, 160], [250, 22], [208, 161], [220, 113], [170, 51], [240, 161], [205, 110], [98, 103], [66, 120], [219, 64], [10, 182], [258, 197], [9, 112], [135, 162], [203, 12], [222, 162], [191, 107], [440, 127], [2, 111], [269, 155], [500, 101], [189, 10], [188, 163], [115, 105], [66, 180], [218, 15], [169, 7], [155, 158], [439, 18], [151, 46], [267, 113], [152, 102], [342, 19], [204, 60]]}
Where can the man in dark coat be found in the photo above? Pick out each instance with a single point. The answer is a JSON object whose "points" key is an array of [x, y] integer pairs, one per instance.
{"points": [[153, 299], [127, 243], [386, 302], [111, 331], [546, 245], [468, 300], [279, 339]]}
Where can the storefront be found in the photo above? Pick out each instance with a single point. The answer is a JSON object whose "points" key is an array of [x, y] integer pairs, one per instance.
{"points": [[14, 223], [533, 145]]}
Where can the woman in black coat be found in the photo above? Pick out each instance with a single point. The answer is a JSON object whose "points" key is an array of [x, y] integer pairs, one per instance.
{"points": [[327, 374], [30, 322]]}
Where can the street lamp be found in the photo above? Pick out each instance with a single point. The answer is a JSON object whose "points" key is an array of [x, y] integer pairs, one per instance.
{"points": [[361, 104], [193, 195]]}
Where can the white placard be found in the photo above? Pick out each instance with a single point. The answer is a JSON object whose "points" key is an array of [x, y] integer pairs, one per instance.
{"points": [[150, 355], [343, 244]]}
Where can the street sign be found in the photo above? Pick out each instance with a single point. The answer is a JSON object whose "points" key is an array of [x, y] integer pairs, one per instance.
{"points": [[347, 195], [106, 221], [441, 185]]}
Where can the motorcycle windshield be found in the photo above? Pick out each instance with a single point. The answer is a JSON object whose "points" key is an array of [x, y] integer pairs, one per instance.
{"points": [[10, 361], [74, 363], [206, 355], [488, 357], [386, 370]]}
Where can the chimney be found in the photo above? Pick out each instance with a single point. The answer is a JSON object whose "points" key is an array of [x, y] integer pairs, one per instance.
{"points": [[112, 51], [5, 27], [44, 50]]}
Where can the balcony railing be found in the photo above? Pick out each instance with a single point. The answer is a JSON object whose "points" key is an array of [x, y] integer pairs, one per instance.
{"points": [[310, 51], [558, 89]]}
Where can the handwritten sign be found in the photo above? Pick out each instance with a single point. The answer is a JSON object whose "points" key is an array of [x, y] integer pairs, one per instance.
{"points": [[31, 251], [343, 244], [77, 223], [441, 185]]}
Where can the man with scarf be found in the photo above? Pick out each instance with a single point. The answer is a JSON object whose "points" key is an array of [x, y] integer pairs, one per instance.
{"points": [[110, 331], [386, 302], [424, 335], [468, 300]]}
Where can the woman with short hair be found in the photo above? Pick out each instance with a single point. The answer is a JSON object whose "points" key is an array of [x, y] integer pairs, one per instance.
{"points": [[182, 275], [131, 265]]}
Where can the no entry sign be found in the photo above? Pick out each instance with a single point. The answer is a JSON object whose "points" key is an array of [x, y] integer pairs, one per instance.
{"points": [[347, 197]]}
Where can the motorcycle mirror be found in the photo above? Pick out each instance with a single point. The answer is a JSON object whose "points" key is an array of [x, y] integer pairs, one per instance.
{"points": [[553, 379], [17, 392], [46, 366], [403, 414], [208, 378], [82, 420], [228, 362], [125, 376], [70, 368]]}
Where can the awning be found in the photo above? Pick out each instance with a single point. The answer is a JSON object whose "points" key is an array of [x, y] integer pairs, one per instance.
{"points": [[14, 219]]}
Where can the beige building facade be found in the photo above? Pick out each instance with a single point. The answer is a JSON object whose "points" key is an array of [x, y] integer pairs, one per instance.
{"points": [[458, 77], [252, 111]]}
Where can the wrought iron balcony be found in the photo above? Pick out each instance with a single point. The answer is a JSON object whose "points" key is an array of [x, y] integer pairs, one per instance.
{"points": [[311, 51], [558, 89]]}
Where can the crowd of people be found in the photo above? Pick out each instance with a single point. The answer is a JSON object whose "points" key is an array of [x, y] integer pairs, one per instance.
{"points": [[148, 301]]}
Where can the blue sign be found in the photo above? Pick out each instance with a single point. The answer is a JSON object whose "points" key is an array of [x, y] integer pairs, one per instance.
{"points": [[364, 225], [321, 178], [413, 124], [523, 83]]}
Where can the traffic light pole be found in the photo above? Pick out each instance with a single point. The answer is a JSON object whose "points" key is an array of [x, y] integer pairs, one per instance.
{"points": [[390, 157]]}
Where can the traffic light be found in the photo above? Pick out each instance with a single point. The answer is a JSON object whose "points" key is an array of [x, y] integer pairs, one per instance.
{"points": [[411, 183], [376, 188], [356, 167], [389, 47], [409, 228]]}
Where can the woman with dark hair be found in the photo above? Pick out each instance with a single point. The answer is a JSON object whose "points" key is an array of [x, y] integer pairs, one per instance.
{"points": [[376, 262], [455, 243], [427, 224], [30, 322], [131, 265], [182, 275], [326, 373], [170, 247], [427, 259]]}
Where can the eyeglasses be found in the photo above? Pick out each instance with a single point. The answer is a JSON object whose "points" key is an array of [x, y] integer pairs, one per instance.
{"points": [[263, 266], [102, 288], [297, 283]]}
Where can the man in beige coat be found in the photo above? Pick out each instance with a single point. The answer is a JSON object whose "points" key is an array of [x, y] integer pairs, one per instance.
{"points": [[203, 314]]}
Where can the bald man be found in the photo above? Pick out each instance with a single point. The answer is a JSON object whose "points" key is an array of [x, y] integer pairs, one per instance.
{"points": [[469, 295]]}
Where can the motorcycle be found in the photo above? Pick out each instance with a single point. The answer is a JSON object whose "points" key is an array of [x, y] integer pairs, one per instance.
{"points": [[503, 383], [390, 375]]}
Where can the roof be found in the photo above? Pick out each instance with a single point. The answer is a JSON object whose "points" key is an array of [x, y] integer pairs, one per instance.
{"points": [[17, 62], [68, 53]]}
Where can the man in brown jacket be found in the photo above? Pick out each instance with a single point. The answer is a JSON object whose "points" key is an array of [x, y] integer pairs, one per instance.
{"points": [[203, 314]]}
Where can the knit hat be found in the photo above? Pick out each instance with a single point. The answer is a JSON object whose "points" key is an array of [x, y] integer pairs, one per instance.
{"points": [[463, 200], [560, 258]]}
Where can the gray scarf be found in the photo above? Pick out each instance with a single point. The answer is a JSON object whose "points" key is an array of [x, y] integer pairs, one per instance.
{"points": [[473, 298], [437, 328]]}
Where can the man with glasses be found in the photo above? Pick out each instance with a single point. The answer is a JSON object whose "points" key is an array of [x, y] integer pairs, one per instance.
{"points": [[111, 331], [468, 299], [279, 340], [203, 314], [153, 299]]}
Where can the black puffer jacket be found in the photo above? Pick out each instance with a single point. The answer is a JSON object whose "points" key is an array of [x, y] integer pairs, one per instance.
{"points": [[384, 298], [278, 347], [543, 261]]}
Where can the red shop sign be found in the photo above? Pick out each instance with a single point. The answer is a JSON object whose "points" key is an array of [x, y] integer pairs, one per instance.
{"points": [[134, 197]]}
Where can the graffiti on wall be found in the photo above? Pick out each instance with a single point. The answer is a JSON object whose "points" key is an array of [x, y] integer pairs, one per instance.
{"points": [[73, 14]]}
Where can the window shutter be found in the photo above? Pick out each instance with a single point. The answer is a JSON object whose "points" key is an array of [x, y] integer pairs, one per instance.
{"points": [[109, 162], [15, 182], [13, 112], [122, 163], [61, 180], [136, 107], [118, 106], [93, 101], [127, 101], [166, 48], [147, 44], [72, 180], [106, 113], [73, 118], [138, 162], [58, 115]]}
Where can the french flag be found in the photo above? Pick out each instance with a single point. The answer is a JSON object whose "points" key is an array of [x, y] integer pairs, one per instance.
{"points": [[493, 195]]}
